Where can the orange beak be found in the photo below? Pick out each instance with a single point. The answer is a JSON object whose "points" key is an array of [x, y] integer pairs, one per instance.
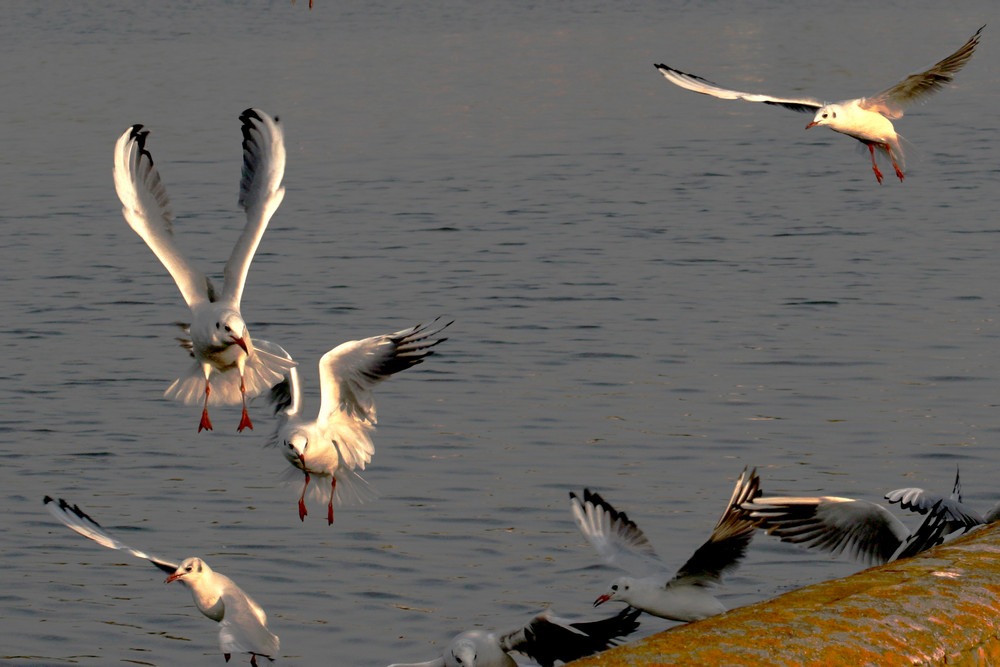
{"points": [[811, 124], [242, 343], [174, 577]]}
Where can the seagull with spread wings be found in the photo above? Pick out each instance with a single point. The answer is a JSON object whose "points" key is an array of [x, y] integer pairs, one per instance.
{"points": [[867, 119], [228, 368], [650, 587], [242, 622], [337, 442]]}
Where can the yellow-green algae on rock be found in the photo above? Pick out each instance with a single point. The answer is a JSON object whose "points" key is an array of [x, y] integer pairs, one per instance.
{"points": [[941, 607]]}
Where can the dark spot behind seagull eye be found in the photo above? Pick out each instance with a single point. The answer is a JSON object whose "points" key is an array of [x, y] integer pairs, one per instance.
{"points": [[217, 324]]}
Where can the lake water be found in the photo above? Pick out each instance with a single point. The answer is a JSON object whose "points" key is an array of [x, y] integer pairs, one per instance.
{"points": [[651, 289]]}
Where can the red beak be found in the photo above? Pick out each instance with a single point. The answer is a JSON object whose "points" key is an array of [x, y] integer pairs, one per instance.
{"points": [[811, 124], [601, 600], [242, 343], [174, 577]]}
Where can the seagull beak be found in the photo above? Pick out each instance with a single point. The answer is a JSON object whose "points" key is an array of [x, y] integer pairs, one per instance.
{"points": [[601, 600], [174, 577], [812, 124], [302, 459], [242, 343]]}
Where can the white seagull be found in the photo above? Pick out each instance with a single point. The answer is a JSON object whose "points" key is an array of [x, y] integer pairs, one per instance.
{"points": [[867, 531], [683, 596], [960, 515], [545, 639], [242, 623], [867, 119], [337, 442], [227, 367]]}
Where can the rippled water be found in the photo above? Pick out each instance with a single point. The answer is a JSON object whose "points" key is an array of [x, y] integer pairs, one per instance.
{"points": [[651, 289]]}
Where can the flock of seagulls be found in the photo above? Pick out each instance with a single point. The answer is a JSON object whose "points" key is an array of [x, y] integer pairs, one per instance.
{"points": [[230, 367]]}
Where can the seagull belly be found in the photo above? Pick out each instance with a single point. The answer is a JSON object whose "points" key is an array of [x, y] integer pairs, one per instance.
{"points": [[678, 603]]}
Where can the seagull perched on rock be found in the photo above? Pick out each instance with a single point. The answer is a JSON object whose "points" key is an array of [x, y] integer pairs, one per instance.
{"points": [[227, 369], [337, 442], [242, 623], [545, 640], [867, 119], [650, 587]]}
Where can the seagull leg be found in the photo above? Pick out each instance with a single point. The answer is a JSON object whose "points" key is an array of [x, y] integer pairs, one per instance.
{"points": [[329, 508], [253, 659], [899, 172], [227, 656], [245, 419], [205, 423], [302, 500], [878, 174]]}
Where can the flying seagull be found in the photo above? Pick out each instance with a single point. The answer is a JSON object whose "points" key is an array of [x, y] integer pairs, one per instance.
{"points": [[650, 587], [242, 623], [337, 442], [227, 369], [867, 119]]}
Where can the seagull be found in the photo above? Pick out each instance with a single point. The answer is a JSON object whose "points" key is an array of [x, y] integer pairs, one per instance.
{"points": [[867, 119], [961, 516], [683, 597], [338, 441], [227, 367], [545, 639], [242, 623], [866, 530]]}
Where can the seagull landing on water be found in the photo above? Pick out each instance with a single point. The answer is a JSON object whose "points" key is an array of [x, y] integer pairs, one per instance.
{"points": [[867, 119], [227, 369], [338, 441], [242, 623], [685, 595], [545, 640]]}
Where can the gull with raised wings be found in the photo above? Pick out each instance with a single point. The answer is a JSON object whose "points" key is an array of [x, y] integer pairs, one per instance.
{"points": [[242, 622], [650, 587], [867, 119], [228, 368], [337, 442]]}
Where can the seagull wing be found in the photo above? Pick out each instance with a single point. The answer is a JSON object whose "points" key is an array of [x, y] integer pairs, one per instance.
{"points": [[285, 396], [615, 537], [865, 530], [922, 502], [147, 211], [76, 519], [729, 541], [436, 662], [348, 374], [705, 87], [243, 628], [547, 638], [930, 533], [261, 193], [890, 102]]}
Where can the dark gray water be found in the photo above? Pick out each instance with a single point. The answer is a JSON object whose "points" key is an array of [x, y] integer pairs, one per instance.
{"points": [[651, 289]]}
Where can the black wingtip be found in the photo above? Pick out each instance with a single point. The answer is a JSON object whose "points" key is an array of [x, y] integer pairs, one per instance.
{"points": [[47, 499]]}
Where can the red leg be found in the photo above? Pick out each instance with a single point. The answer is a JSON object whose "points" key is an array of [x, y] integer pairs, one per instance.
{"points": [[329, 508], [878, 174], [205, 423], [302, 500], [899, 172], [245, 419], [227, 656], [253, 659]]}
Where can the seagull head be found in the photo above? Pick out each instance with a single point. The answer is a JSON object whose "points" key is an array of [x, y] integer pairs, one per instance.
{"points": [[190, 571], [461, 653], [825, 116], [230, 329], [295, 448], [619, 590]]}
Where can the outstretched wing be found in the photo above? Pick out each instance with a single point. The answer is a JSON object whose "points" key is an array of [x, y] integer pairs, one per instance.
{"points": [[261, 193], [705, 87], [348, 374], [548, 638], [930, 534], [147, 211], [920, 501], [865, 530], [615, 537], [891, 101], [728, 543], [76, 519]]}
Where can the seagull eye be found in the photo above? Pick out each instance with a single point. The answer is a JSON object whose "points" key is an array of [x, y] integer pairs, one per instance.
{"points": [[824, 115], [217, 325], [227, 328]]}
